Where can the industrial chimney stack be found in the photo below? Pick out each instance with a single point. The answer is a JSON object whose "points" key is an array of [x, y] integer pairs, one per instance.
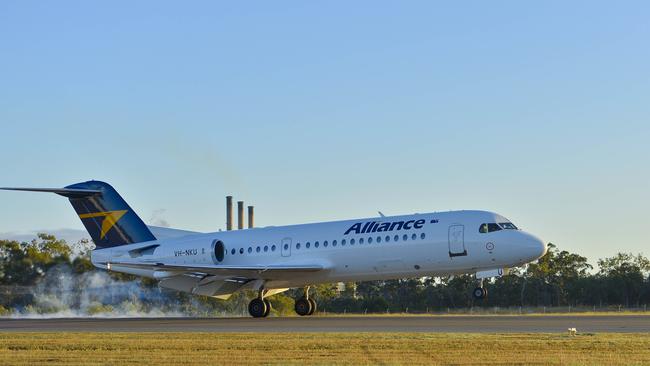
{"points": [[251, 222], [240, 215], [228, 212]]}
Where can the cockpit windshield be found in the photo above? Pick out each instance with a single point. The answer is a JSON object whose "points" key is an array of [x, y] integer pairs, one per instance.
{"points": [[508, 226], [492, 226]]}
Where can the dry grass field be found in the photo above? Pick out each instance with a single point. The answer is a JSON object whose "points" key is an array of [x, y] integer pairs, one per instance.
{"points": [[327, 348]]}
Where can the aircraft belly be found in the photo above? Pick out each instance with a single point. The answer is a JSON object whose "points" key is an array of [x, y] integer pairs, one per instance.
{"points": [[390, 266]]}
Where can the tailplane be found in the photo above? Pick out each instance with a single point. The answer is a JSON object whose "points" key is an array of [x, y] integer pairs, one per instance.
{"points": [[107, 217]]}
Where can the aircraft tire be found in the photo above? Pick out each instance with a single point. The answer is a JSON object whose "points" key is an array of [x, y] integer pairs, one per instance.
{"points": [[257, 308], [479, 293], [313, 306], [268, 307], [302, 306]]}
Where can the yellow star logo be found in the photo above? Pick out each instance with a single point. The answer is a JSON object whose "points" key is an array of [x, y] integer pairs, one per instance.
{"points": [[110, 219]]}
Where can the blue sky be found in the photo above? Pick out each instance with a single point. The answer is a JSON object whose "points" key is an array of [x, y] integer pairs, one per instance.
{"points": [[538, 111]]}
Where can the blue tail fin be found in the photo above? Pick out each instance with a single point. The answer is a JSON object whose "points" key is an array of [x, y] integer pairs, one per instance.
{"points": [[107, 217]]}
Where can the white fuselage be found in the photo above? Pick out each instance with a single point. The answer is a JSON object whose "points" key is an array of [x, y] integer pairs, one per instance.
{"points": [[418, 245]]}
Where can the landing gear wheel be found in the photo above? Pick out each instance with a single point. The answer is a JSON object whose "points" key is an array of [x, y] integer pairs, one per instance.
{"points": [[479, 293], [268, 307], [302, 307], [257, 308], [312, 310]]}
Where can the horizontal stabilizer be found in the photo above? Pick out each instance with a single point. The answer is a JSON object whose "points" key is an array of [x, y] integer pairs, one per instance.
{"points": [[66, 192]]}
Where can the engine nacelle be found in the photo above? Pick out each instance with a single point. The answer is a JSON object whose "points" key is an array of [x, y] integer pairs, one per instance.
{"points": [[204, 252]]}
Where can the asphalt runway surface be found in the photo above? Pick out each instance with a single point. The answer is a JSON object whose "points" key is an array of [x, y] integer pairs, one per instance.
{"points": [[442, 324]]}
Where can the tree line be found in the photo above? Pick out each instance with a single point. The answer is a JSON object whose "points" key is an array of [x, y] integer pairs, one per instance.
{"points": [[32, 277]]}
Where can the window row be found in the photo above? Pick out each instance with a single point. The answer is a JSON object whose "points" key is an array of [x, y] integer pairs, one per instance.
{"points": [[265, 248], [333, 243], [369, 240]]}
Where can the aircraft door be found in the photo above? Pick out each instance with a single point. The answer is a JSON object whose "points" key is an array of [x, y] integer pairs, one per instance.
{"points": [[285, 248], [457, 241]]}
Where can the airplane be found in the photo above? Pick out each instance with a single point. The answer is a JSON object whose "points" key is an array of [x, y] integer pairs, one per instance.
{"points": [[271, 260]]}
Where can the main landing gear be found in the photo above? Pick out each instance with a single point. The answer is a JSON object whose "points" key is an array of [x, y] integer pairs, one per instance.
{"points": [[305, 305], [259, 307], [480, 292]]}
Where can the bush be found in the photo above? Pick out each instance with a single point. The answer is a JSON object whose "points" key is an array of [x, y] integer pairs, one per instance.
{"points": [[4, 311], [98, 308]]}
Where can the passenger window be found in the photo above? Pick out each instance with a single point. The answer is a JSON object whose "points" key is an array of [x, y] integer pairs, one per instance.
{"points": [[343, 242], [316, 245], [379, 239], [413, 237], [241, 250], [405, 237], [369, 240], [273, 248], [298, 246], [233, 251], [387, 238], [351, 241], [422, 236], [250, 250], [307, 245], [258, 249], [266, 248], [334, 243], [325, 243], [396, 238], [360, 240]]}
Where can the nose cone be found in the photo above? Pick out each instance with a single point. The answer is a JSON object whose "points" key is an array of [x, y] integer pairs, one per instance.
{"points": [[535, 245]]}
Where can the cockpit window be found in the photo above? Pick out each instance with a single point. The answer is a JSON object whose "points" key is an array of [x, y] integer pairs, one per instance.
{"points": [[508, 226], [489, 227]]}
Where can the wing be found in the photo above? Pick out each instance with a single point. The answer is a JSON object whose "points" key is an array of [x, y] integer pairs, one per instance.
{"points": [[254, 272], [220, 280]]}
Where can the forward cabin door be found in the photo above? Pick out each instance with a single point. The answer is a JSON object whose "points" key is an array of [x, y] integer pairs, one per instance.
{"points": [[457, 241], [285, 248]]}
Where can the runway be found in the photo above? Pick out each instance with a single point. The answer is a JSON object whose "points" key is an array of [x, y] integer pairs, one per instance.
{"points": [[453, 324]]}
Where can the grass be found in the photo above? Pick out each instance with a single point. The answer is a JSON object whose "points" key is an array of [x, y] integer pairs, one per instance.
{"points": [[325, 348]]}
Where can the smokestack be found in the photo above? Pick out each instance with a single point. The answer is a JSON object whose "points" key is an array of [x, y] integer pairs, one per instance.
{"points": [[228, 212], [240, 215], [251, 222]]}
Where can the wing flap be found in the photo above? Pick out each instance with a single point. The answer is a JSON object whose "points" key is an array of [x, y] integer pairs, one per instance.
{"points": [[214, 287]]}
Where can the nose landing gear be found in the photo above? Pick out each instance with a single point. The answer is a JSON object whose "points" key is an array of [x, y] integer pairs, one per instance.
{"points": [[480, 292]]}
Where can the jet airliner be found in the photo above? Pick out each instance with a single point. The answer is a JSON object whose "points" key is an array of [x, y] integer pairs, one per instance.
{"points": [[271, 260]]}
